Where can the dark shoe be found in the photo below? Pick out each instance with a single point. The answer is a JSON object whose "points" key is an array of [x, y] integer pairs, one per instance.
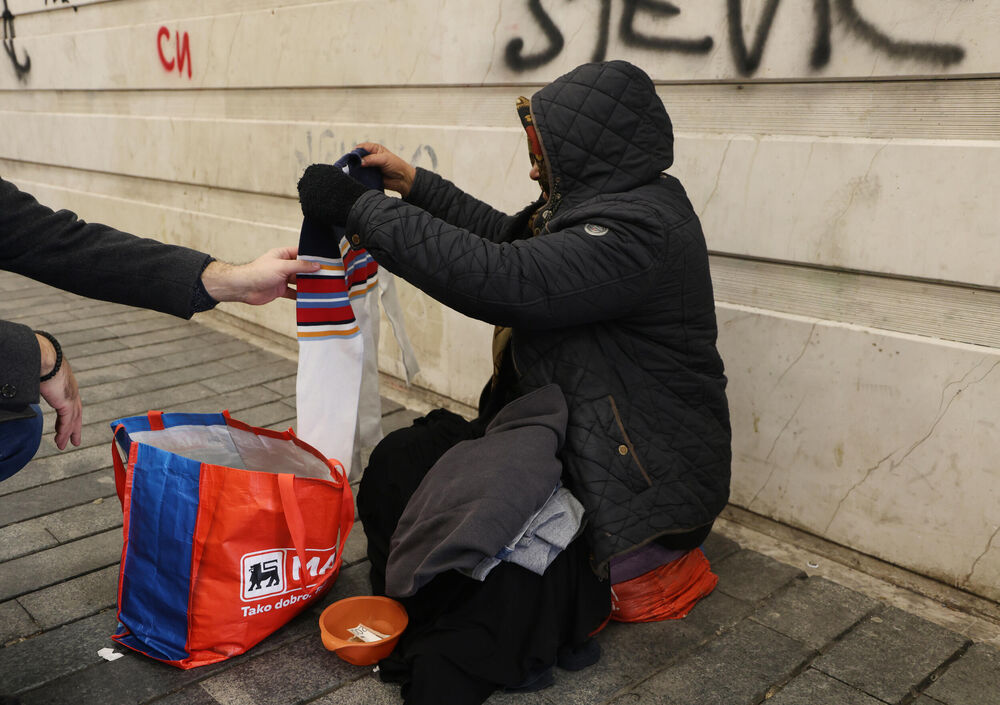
{"points": [[575, 658], [536, 681]]}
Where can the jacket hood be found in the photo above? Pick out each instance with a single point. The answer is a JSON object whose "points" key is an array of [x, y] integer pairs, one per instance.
{"points": [[603, 129]]}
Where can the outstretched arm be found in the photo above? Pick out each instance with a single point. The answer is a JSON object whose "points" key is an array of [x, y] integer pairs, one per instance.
{"points": [[564, 278], [438, 196], [26, 356], [94, 260], [267, 278]]}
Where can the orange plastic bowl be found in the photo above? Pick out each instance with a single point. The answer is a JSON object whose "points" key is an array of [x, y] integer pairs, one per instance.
{"points": [[382, 614]]}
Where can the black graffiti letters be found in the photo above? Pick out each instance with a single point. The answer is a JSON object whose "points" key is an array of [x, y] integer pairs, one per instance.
{"points": [[821, 49], [662, 9], [627, 33], [746, 59], [21, 68], [519, 62], [943, 54], [604, 23]]}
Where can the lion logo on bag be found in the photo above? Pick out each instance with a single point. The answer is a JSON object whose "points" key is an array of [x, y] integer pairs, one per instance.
{"points": [[263, 574], [259, 571]]}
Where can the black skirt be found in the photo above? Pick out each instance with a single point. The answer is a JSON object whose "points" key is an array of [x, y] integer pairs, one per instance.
{"points": [[467, 638]]}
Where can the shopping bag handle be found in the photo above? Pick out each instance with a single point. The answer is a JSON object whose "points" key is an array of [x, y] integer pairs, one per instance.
{"points": [[155, 424], [293, 517], [297, 527], [346, 515], [116, 458]]}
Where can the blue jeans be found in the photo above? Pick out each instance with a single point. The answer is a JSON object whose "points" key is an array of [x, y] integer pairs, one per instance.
{"points": [[19, 441]]}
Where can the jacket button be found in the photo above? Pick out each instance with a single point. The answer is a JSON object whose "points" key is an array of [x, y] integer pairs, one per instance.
{"points": [[356, 239], [8, 391], [623, 449]]}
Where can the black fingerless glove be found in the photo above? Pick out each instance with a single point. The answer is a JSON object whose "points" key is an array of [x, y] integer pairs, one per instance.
{"points": [[327, 194]]}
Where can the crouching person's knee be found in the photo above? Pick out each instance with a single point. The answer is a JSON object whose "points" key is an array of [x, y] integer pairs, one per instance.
{"points": [[19, 441]]}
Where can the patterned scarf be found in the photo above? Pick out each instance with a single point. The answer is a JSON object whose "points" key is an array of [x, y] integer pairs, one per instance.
{"points": [[501, 334], [534, 144]]}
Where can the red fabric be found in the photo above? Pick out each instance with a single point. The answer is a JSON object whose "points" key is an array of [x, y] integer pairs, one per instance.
{"points": [[321, 285], [668, 592]]}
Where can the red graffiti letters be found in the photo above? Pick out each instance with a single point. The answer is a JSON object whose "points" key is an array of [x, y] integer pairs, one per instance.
{"points": [[180, 57]]}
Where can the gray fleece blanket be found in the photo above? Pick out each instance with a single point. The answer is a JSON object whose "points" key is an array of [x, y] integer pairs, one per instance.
{"points": [[480, 494]]}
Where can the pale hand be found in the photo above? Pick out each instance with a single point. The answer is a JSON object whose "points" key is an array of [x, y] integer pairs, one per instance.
{"points": [[267, 278], [62, 394]]}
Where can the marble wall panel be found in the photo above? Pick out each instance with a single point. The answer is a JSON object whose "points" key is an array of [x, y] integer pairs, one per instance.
{"points": [[880, 441], [918, 208]]}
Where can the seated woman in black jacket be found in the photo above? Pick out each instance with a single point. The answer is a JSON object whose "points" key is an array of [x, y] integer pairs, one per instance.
{"points": [[602, 288]]}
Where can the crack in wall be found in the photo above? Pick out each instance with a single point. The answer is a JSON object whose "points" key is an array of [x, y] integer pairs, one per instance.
{"points": [[975, 563], [812, 146], [768, 456], [753, 158], [896, 463], [572, 39], [232, 43], [858, 184], [493, 49], [510, 164], [856, 485], [800, 356], [893, 464], [961, 379], [784, 428], [718, 177]]}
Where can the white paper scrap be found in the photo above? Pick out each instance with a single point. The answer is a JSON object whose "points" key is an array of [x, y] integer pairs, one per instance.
{"points": [[109, 654]]}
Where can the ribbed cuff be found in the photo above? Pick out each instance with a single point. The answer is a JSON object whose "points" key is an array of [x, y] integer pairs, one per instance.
{"points": [[202, 300]]}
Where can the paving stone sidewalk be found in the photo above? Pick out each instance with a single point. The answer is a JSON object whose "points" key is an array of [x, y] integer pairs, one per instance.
{"points": [[767, 634]]}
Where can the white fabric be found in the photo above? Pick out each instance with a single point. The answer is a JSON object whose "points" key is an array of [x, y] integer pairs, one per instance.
{"points": [[235, 448], [339, 409], [394, 312], [369, 410]]}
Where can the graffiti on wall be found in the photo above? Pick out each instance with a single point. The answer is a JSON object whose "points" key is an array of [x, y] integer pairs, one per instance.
{"points": [[745, 58], [21, 67], [327, 149], [178, 55], [326, 153]]}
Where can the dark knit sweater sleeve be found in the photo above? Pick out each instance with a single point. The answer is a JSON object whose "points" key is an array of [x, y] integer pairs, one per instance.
{"points": [[96, 261]]}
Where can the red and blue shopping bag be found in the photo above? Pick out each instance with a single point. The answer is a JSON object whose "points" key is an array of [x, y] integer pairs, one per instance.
{"points": [[229, 532]]}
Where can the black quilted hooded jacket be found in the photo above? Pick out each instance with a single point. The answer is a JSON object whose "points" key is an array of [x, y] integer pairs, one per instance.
{"points": [[613, 302]]}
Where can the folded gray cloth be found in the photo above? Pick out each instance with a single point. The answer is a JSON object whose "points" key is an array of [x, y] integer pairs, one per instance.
{"points": [[540, 540], [480, 493], [550, 532]]}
